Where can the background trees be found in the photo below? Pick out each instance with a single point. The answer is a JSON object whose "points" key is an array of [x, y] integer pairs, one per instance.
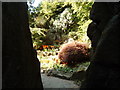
{"points": [[54, 22]]}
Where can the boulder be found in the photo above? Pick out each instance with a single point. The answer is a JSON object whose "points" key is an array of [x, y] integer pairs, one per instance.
{"points": [[104, 70]]}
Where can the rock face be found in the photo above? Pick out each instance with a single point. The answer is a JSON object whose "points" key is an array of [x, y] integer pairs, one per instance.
{"points": [[20, 66], [104, 70]]}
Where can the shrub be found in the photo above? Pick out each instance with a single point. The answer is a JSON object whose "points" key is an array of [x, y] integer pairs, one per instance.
{"points": [[38, 34], [73, 35], [73, 53]]}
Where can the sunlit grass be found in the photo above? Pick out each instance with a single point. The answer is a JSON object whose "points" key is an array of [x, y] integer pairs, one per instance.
{"points": [[50, 61]]}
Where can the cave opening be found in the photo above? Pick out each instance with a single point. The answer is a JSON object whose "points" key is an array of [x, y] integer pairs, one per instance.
{"points": [[56, 28]]}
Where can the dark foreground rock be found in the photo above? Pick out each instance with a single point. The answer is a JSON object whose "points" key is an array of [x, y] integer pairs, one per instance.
{"points": [[20, 66], [104, 70]]}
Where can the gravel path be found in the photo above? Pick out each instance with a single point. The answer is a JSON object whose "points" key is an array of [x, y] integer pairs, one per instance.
{"points": [[53, 82]]}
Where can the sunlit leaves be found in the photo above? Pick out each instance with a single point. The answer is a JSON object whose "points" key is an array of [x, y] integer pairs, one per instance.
{"points": [[61, 19]]}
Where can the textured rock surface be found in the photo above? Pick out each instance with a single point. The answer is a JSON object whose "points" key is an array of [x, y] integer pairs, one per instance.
{"points": [[104, 70], [20, 65]]}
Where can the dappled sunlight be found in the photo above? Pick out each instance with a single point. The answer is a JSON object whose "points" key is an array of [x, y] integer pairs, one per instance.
{"points": [[51, 65], [55, 24], [48, 58]]}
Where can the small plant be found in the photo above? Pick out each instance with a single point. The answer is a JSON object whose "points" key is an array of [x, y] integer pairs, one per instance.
{"points": [[73, 53], [63, 68]]}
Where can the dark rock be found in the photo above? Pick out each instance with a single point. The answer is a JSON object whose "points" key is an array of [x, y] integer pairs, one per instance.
{"points": [[58, 74], [100, 14], [80, 75], [104, 70], [20, 66]]}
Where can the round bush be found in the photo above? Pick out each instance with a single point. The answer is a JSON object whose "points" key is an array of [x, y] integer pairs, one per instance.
{"points": [[73, 53]]}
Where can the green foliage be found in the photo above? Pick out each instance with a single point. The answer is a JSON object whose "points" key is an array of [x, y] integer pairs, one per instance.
{"points": [[66, 69], [73, 35], [61, 19], [63, 68], [38, 35]]}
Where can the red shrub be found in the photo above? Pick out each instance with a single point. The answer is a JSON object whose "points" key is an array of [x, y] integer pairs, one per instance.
{"points": [[73, 53]]}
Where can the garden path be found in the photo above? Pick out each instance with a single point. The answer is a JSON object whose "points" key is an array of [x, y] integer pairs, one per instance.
{"points": [[53, 82]]}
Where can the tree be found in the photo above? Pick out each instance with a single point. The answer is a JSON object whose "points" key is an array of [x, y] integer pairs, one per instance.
{"points": [[62, 18]]}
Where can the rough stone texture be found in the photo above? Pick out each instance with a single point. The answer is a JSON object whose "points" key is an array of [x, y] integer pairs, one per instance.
{"points": [[104, 70], [20, 66]]}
